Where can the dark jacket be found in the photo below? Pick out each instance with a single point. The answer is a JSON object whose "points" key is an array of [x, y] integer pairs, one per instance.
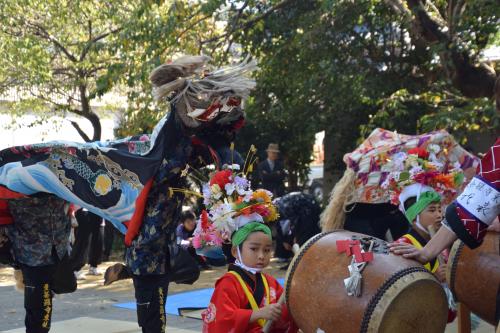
{"points": [[302, 212], [40, 224], [272, 180]]}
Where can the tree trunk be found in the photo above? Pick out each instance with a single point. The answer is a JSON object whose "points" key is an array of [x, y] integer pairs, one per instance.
{"points": [[292, 181], [333, 165], [90, 115], [340, 138], [472, 79]]}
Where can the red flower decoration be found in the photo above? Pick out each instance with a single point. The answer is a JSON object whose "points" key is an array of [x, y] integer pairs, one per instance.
{"points": [[196, 141], [426, 177], [221, 178], [205, 224], [261, 210], [420, 152], [233, 101]]}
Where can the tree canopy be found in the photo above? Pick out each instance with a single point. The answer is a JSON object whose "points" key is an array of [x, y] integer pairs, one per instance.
{"points": [[345, 67]]}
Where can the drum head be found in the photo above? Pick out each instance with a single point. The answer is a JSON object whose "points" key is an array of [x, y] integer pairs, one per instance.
{"points": [[419, 307]]}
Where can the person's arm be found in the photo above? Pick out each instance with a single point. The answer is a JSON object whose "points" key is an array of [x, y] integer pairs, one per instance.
{"points": [[285, 323], [443, 239]]}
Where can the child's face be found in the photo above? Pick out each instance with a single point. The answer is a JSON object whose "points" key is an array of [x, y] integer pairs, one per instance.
{"points": [[431, 216], [256, 250], [189, 224]]}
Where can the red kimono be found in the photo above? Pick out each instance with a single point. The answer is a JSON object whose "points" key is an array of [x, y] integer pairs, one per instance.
{"points": [[229, 310]]}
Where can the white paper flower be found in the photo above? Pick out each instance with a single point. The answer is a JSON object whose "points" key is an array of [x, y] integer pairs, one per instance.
{"points": [[434, 148], [457, 166], [229, 188], [415, 170], [247, 196]]}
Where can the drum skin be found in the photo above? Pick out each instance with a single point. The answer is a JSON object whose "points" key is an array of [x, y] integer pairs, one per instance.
{"points": [[474, 275], [398, 295]]}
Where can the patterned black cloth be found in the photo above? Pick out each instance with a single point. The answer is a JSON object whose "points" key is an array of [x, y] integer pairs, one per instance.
{"points": [[40, 224], [303, 212]]}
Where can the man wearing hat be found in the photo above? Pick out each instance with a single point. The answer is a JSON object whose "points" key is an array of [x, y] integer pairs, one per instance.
{"points": [[271, 171]]}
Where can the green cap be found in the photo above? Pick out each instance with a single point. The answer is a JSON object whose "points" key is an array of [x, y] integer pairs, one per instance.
{"points": [[423, 201], [242, 233]]}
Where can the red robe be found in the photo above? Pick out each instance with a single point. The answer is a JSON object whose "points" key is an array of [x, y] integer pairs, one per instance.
{"points": [[5, 195], [228, 312]]}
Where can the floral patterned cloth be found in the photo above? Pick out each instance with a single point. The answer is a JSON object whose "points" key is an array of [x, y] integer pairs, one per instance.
{"points": [[370, 161]]}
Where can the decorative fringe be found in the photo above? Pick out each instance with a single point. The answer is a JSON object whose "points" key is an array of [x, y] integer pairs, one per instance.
{"points": [[449, 295], [166, 89], [353, 282], [201, 87], [333, 217]]}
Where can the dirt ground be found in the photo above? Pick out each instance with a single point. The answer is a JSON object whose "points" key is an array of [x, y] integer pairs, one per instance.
{"points": [[93, 299]]}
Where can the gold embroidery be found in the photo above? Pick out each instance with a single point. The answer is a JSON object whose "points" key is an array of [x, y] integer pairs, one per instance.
{"points": [[115, 171], [47, 303], [55, 165], [162, 309]]}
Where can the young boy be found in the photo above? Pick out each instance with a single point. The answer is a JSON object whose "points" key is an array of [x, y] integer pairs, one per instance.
{"points": [[185, 229], [428, 216], [184, 234], [424, 214], [244, 298]]}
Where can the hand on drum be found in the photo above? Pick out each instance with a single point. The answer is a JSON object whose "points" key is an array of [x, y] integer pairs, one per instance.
{"points": [[409, 251], [269, 312]]}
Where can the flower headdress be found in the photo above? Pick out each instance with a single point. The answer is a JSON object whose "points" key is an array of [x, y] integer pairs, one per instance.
{"points": [[370, 164], [419, 171], [423, 166], [230, 204]]}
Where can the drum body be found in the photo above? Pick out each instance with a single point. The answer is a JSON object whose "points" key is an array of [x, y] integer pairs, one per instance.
{"points": [[474, 276], [398, 295]]}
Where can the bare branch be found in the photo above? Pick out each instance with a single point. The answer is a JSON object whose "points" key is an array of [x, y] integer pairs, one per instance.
{"points": [[94, 40], [191, 26], [397, 6], [248, 24], [80, 131], [42, 32]]}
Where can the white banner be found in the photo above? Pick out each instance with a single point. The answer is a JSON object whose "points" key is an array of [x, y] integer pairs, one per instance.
{"points": [[481, 199]]}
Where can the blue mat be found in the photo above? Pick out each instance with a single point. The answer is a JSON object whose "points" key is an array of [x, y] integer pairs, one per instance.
{"points": [[194, 299]]}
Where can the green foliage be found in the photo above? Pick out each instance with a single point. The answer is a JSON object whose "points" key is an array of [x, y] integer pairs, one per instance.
{"points": [[58, 53], [349, 67], [341, 66]]}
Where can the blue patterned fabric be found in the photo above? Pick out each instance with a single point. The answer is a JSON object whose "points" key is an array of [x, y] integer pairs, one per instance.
{"points": [[107, 178], [104, 177]]}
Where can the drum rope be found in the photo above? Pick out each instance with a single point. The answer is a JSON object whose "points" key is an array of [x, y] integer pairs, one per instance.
{"points": [[453, 271]]}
